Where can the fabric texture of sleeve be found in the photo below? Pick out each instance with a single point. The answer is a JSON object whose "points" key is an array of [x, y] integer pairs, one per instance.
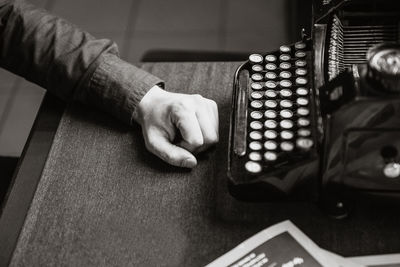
{"points": [[69, 62]]}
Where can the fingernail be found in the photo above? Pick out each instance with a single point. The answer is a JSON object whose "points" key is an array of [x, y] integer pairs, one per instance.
{"points": [[189, 163]]}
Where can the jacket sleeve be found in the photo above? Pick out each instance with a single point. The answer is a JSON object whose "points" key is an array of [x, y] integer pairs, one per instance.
{"points": [[69, 62]]}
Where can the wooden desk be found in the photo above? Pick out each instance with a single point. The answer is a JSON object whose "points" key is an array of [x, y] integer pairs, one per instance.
{"points": [[102, 199]]}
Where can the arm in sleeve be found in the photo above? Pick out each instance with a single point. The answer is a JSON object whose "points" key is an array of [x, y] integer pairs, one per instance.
{"points": [[69, 62]]}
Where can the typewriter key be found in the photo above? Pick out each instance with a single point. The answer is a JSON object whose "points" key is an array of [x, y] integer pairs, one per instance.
{"points": [[285, 83], [256, 86], [285, 65], [304, 132], [286, 124], [301, 63], [255, 58], [286, 114], [253, 167], [270, 66], [255, 145], [270, 134], [256, 125], [300, 54], [270, 156], [304, 143], [270, 85], [285, 49], [302, 101], [302, 91], [287, 135], [256, 95], [255, 135], [299, 45], [270, 104], [301, 72], [270, 145], [270, 124], [270, 58], [286, 103], [270, 75], [270, 94], [257, 68], [287, 146], [285, 93], [303, 122], [256, 115], [284, 57], [285, 75], [301, 81], [303, 111], [256, 104], [257, 77], [270, 114], [255, 156]]}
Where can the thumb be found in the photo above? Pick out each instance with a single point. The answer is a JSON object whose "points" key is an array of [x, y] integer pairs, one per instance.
{"points": [[159, 144]]}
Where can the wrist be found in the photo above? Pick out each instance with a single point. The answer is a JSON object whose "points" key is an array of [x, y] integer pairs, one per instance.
{"points": [[147, 102]]}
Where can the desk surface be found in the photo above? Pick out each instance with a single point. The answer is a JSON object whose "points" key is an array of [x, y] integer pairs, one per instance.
{"points": [[102, 199]]}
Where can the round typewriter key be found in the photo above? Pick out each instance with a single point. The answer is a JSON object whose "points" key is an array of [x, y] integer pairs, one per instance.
{"points": [[304, 143], [285, 65], [286, 124], [286, 114], [270, 66], [285, 83], [253, 167], [303, 111], [257, 68], [301, 63], [270, 94], [301, 72], [304, 132], [256, 104], [256, 115], [302, 101], [284, 57], [257, 77], [270, 84], [300, 54], [303, 122], [270, 75], [299, 45], [285, 75], [270, 114], [270, 134], [256, 86], [256, 125], [287, 146], [270, 156], [286, 103], [255, 135], [285, 49], [255, 156], [270, 124], [301, 81], [287, 135], [270, 145], [270, 104], [270, 58], [255, 145], [302, 91], [255, 58], [285, 93], [256, 95]]}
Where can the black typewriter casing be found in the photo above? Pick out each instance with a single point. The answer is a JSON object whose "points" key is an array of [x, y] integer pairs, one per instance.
{"points": [[355, 122]]}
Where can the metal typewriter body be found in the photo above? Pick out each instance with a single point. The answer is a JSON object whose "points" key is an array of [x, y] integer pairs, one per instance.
{"points": [[315, 120]]}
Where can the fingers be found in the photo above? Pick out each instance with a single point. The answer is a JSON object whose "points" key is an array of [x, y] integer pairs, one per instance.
{"points": [[207, 117]]}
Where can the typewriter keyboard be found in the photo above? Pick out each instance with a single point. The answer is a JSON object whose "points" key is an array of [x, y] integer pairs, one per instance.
{"points": [[279, 122]]}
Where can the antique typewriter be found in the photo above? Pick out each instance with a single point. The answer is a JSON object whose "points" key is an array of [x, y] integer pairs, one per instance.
{"points": [[320, 119]]}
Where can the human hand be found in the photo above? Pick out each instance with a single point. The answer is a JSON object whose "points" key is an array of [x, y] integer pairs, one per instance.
{"points": [[164, 116]]}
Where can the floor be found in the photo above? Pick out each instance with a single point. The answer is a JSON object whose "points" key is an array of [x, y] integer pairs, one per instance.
{"points": [[138, 26]]}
